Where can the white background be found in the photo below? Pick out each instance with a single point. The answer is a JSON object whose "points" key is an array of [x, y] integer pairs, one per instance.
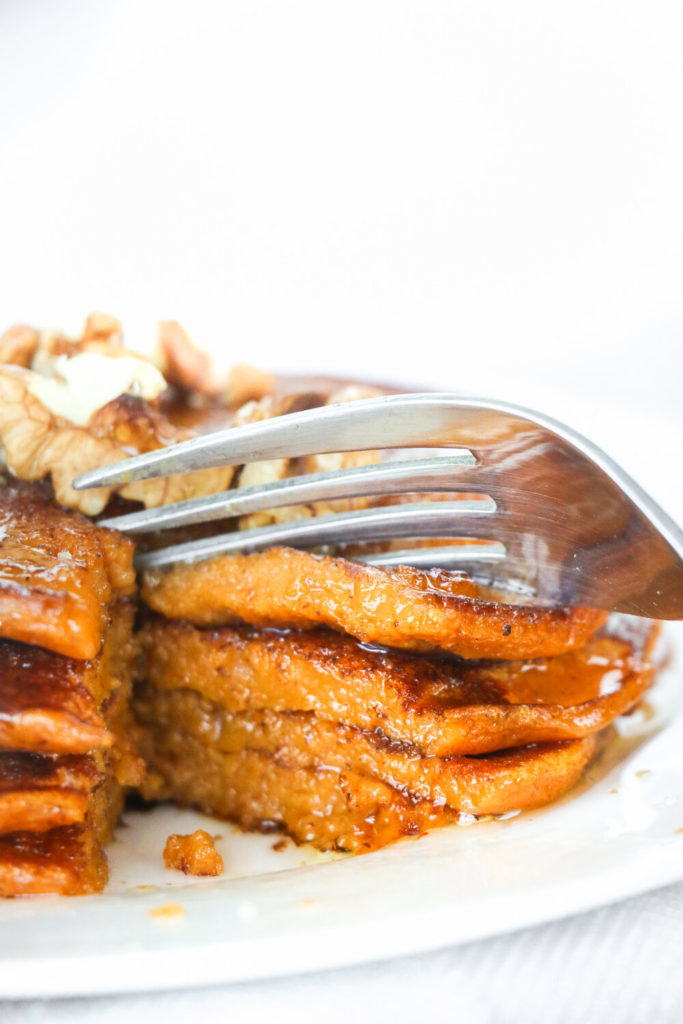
{"points": [[487, 196]]}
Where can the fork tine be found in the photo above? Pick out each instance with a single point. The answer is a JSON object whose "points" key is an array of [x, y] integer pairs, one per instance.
{"points": [[437, 519], [436, 474], [393, 421], [433, 558]]}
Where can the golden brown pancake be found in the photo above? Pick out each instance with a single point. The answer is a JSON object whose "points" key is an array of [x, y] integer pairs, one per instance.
{"points": [[345, 809], [43, 791], [45, 703], [53, 704], [67, 751], [303, 693], [442, 706], [350, 748], [69, 860], [59, 574], [500, 782], [401, 607]]}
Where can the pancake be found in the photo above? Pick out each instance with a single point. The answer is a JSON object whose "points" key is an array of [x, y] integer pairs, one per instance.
{"points": [[53, 704], [500, 782], [46, 704], [44, 791], [441, 706], [351, 748], [345, 809], [67, 755], [69, 860], [346, 705], [402, 607], [59, 574]]}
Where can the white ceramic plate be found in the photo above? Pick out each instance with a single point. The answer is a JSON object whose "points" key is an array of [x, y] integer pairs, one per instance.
{"points": [[277, 912]]}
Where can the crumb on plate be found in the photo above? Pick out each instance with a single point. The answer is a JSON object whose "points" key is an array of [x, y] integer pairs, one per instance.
{"points": [[193, 854]]}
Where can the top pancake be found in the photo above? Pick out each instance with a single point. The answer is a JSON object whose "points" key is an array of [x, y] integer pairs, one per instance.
{"points": [[402, 607], [59, 574]]}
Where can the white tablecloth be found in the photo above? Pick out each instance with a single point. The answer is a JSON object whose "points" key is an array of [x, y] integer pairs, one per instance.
{"points": [[618, 964]]}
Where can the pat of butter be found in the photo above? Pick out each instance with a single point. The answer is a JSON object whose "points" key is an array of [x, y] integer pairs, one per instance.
{"points": [[83, 383]]}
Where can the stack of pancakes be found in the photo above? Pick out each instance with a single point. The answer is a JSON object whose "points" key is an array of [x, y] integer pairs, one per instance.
{"points": [[349, 705], [343, 704], [66, 657]]}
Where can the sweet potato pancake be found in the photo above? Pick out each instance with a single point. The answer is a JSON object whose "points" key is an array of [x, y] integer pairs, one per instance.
{"points": [[270, 716], [181, 720], [66, 739], [346, 705], [53, 704], [400, 607], [69, 860], [57, 810], [42, 791], [344, 808], [59, 574], [443, 706]]}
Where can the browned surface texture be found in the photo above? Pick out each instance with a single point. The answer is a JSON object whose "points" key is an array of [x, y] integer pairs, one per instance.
{"points": [[501, 782], [58, 809], [66, 654], [337, 744], [442, 706], [43, 791], [50, 703], [59, 574], [195, 854], [65, 861], [347, 809], [68, 861], [46, 703], [401, 607]]}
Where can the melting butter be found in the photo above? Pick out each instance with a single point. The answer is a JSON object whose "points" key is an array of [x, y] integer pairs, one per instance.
{"points": [[83, 383]]}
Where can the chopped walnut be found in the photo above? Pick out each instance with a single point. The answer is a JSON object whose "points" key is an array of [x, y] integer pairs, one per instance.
{"points": [[63, 412], [255, 412], [50, 427], [18, 345], [195, 854], [103, 327], [258, 473], [183, 365], [246, 384], [37, 444]]}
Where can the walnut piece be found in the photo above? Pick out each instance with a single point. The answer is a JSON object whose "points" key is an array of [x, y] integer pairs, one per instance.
{"points": [[246, 383], [103, 327], [18, 345], [38, 444], [69, 405], [195, 854], [38, 441], [184, 366], [255, 474]]}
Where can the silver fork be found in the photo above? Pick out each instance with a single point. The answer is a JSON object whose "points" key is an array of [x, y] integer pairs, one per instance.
{"points": [[564, 524]]}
